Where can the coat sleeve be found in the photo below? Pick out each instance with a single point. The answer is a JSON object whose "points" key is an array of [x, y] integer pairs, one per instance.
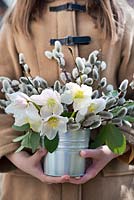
{"points": [[9, 66], [126, 71]]}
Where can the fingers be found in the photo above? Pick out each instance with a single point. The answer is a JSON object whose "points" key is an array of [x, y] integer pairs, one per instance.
{"points": [[50, 179], [38, 172], [36, 157], [98, 153], [91, 153]]}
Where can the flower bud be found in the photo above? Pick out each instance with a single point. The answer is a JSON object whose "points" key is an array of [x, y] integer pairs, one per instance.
{"points": [[14, 83], [57, 86], [36, 83], [89, 81], [71, 120], [39, 90], [110, 103], [58, 46], [74, 126], [90, 120], [23, 88], [95, 125], [21, 58], [24, 80], [81, 79], [103, 66], [131, 111], [3, 104], [109, 88], [75, 73], [34, 92], [93, 57], [65, 78], [48, 54], [106, 115], [10, 90], [95, 74], [6, 85], [87, 70], [43, 82], [117, 121], [26, 68], [103, 82], [84, 77], [122, 112], [80, 64], [62, 62], [121, 101], [124, 85], [98, 64], [95, 94]]}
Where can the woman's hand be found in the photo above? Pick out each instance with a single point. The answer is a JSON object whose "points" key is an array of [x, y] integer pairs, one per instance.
{"points": [[100, 158], [32, 165]]}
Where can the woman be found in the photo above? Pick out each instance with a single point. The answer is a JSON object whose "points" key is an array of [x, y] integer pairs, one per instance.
{"points": [[28, 28]]}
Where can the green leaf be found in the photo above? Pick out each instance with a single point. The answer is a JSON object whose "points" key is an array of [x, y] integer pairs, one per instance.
{"points": [[19, 149], [112, 137], [116, 148], [24, 127], [115, 140], [66, 114], [26, 141], [20, 138], [51, 145], [29, 140], [129, 104], [129, 118], [34, 141], [100, 139]]}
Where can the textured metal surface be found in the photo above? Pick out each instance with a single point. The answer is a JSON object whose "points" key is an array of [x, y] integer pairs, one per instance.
{"points": [[66, 159]]}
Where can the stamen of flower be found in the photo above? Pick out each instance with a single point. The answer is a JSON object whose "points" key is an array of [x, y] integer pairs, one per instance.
{"points": [[53, 122], [91, 108], [51, 102], [79, 95]]}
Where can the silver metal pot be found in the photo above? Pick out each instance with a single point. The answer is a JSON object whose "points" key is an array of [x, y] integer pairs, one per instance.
{"points": [[66, 160]]}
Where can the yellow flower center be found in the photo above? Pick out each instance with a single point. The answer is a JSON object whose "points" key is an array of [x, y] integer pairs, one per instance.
{"points": [[79, 95], [51, 102], [53, 122], [91, 108]]}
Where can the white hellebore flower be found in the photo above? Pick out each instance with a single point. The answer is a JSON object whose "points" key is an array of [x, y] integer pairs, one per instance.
{"points": [[50, 101], [78, 95], [53, 124], [94, 106], [23, 111]]}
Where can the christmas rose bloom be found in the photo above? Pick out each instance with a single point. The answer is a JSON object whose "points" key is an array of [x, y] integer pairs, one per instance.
{"points": [[76, 94], [23, 111], [52, 125], [50, 102], [94, 106]]}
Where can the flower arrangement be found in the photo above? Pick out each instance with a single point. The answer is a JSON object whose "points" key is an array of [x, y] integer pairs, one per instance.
{"points": [[81, 100]]}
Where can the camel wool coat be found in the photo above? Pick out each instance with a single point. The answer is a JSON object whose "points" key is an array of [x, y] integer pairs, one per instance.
{"points": [[116, 180]]}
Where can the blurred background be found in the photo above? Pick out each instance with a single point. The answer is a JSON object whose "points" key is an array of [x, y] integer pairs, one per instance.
{"points": [[4, 4]]}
